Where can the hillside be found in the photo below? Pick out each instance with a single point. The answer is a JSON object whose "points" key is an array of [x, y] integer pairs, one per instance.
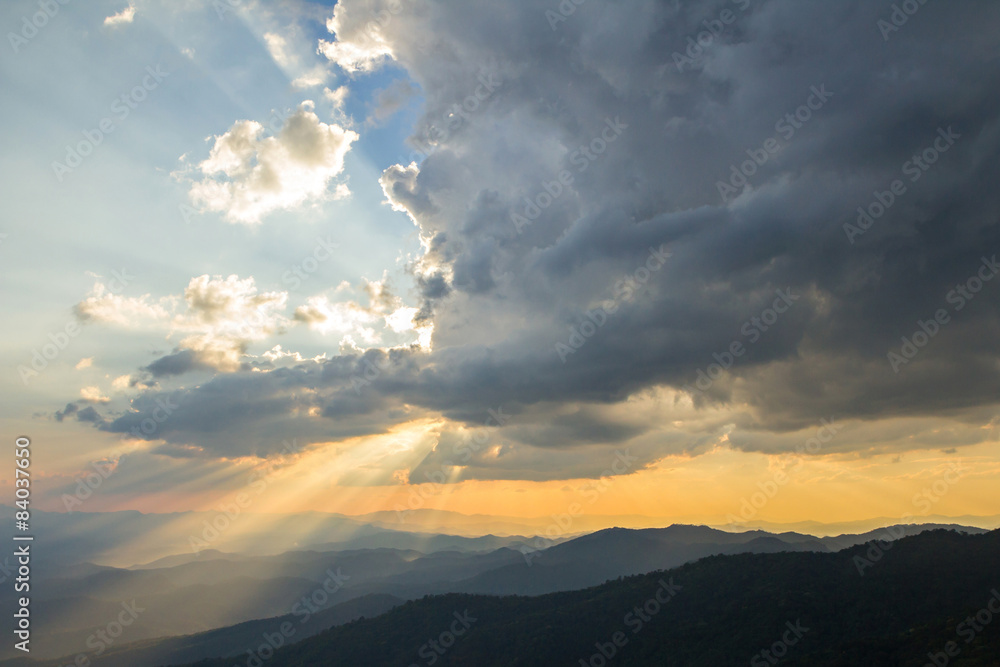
{"points": [[728, 609]]}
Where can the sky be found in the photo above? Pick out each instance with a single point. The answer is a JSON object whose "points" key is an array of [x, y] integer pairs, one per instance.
{"points": [[708, 262]]}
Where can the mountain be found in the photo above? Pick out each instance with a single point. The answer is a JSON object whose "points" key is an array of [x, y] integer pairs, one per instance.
{"points": [[863, 606], [123, 539], [183, 595], [615, 552], [990, 522], [228, 641], [838, 542], [183, 559], [199, 595], [447, 521], [427, 543]]}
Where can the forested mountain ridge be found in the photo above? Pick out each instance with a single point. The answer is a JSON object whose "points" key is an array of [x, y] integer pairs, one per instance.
{"points": [[868, 605]]}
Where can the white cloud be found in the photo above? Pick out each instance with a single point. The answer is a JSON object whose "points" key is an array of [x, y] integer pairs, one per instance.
{"points": [[127, 312], [403, 320], [278, 47], [316, 76], [384, 314], [247, 176], [231, 309], [93, 395], [220, 316], [279, 355], [126, 15], [86, 362], [356, 47], [344, 317], [337, 97], [289, 48]]}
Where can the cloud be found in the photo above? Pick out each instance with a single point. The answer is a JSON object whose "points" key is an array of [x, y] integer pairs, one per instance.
{"points": [[384, 314], [541, 215], [93, 395], [278, 48], [123, 17], [122, 382], [106, 307], [217, 316], [86, 362], [342, 317], [286, 55], [359, 43], [178, 363], [248, 176], [336, 97], [390, 100], [315, 76]]}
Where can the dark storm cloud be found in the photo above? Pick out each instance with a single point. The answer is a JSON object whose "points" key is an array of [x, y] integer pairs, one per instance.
{"points": [[178, 363], [66, 412], [87, 415], [609, 150]]}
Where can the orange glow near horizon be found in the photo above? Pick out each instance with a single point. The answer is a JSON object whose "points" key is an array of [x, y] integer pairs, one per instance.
{"points": [[714, 488]]}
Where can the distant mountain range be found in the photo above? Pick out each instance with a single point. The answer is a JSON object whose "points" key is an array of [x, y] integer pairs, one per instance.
{"points": [[617, 552], [230, 640], [917, 603], [444, 521], [209, 605], [124, 539]]}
